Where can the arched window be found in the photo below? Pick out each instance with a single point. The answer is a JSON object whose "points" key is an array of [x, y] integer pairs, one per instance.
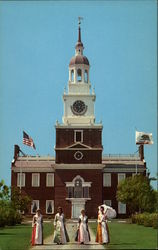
{"points": [[79, 75], [78, 191], [72, 75], [86, 76]]}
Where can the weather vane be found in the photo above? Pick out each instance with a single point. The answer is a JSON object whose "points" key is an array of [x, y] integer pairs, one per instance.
{"points": [[79, 19]]}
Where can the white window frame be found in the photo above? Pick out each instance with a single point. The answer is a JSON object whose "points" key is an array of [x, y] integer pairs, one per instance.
{"points": [[81, 135], [121, 205], [37, 203], [105, 182], [121, 174], [37, 174], [20, 179], [52, 201], [47, 184], [107, 202]]}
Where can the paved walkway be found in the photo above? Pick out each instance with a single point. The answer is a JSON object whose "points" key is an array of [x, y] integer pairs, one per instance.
{"points": [[72, 245]]}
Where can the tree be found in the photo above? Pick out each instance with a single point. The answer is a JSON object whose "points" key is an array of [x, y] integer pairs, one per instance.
{"points": [[137, 193], [9, 208], [4, 191], [19, 200]]}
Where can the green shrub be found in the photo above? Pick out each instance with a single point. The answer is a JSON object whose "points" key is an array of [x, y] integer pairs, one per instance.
{"points": [[155, 221], [9, 216], [146, 219]]}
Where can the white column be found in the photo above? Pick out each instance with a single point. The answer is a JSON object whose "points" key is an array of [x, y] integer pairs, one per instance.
{"points": [[83, 80], [69, 74], [75, 75]]}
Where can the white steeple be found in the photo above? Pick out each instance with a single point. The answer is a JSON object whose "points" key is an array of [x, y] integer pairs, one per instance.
{"points": [[79, 101]]}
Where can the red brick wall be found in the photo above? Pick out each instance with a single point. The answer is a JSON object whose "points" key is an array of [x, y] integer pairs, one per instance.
{"points": [[41, 193], [91, 137], [89, 156]]}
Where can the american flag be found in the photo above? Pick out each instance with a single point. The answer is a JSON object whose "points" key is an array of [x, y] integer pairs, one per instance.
{"points": [[27, 140]]}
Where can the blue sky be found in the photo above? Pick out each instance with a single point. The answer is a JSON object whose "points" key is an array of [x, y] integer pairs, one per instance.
{"points": [[37, 40]]}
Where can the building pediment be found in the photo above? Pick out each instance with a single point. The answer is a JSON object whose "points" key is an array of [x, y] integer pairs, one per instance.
{"points": [[79, 145]]}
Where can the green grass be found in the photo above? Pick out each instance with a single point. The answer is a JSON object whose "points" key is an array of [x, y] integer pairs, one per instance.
{"points": [[130, 236], [18, 237], [122, 236]]}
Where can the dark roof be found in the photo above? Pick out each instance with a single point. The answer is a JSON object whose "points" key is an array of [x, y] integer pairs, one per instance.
{"points": [[79, 59]]}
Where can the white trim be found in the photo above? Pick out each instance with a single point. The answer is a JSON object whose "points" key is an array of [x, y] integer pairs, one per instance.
{"points": [[22, 177], [36, 174], [37, 169], [122, 162], [79, 166], [120, 170], [47, 184], [52, 201], [77, 200], [37, 203], [80, 157], [88, 148], [33, 169], [84, 183], [79, 144], [91, 126]]}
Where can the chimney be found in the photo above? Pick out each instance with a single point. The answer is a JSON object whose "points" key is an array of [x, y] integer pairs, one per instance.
{"points": [[141, 152], [16, 151]]}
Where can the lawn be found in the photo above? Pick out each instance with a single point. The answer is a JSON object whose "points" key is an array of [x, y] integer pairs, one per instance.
{"points": [[130, 236], [18, 237]]}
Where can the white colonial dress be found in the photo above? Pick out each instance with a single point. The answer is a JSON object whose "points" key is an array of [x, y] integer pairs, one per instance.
{"points": [[83, 232], [102, 236], [60, 233], [37, 231]]}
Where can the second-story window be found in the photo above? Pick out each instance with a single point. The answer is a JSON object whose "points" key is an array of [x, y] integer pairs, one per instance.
{"points": [[78, 136], [35, 180]]}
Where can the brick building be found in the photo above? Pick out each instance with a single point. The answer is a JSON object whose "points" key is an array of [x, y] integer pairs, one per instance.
{"points": [[79, 176]]}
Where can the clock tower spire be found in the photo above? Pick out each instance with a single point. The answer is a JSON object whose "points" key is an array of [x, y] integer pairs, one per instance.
{"points": [[79, 100]]}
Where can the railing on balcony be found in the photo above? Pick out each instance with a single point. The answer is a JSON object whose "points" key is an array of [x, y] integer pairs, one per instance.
{"points": [[120, 156]]}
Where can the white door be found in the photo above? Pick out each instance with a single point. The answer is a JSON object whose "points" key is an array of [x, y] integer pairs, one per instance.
{"points": [[76, 209]]}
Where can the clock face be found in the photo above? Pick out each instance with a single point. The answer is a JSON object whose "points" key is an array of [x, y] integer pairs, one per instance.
{"points": [[79, 107], [78, 155]]}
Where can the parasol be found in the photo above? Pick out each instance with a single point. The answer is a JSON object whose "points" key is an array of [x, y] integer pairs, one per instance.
{"points": [[109, 211]]}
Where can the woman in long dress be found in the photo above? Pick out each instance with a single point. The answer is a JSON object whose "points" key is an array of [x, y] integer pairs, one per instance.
{"points": [[60, 232], [37, 228], [102, 236], [83, 235]]}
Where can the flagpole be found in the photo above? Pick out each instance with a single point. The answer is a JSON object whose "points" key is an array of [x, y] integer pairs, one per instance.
{"points": [[20, 176]]}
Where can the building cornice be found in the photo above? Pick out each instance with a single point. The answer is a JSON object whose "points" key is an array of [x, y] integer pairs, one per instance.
{"points": [[123, 170], [78, 166], [79, 126], [33, 169]]}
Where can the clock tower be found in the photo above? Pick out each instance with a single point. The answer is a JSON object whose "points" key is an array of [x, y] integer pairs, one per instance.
{"points": [[78, 138], [78, 160]]}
